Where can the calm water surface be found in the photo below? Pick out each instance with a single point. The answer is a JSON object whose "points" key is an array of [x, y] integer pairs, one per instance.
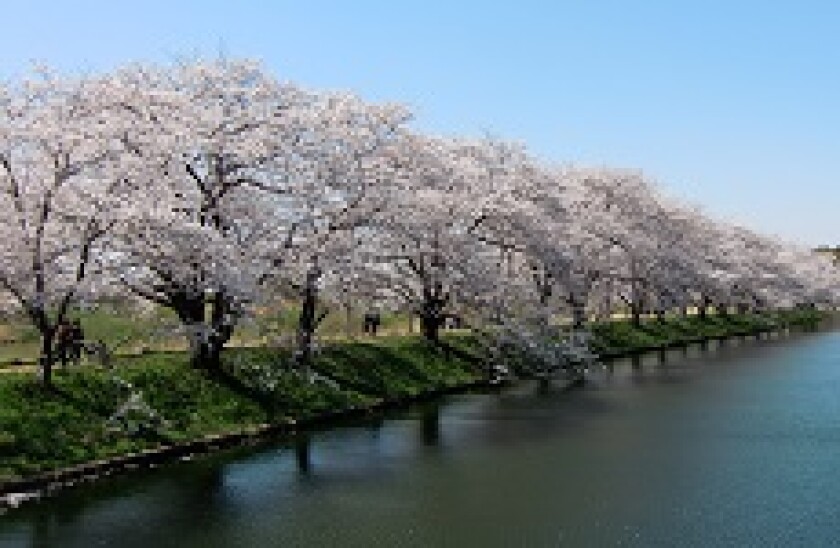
{"points": [[736, 445]]}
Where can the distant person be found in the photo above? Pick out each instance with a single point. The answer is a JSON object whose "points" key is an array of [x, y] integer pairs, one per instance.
{"points": [[102, 354], [454, 321], [371, 322]]}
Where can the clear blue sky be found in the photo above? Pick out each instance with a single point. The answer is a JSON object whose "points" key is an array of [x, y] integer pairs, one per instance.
{"points": [[729, 104]]}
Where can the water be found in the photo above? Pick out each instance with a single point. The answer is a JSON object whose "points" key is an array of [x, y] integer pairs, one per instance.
{"points": [[731, 446]]}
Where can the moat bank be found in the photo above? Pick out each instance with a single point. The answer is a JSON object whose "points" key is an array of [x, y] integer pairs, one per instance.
{"points": [[731, 445], [64, 431]]}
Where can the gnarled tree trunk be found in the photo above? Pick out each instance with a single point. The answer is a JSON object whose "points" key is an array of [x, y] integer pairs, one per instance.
{"points": [[207, 334], [309, 319], [47, 358], [432, 315]]}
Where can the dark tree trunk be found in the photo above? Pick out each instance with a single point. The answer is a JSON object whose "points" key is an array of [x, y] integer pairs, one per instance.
{"points": [[221, 318], [432, 314], [47, 331], [430, 325], [543, 282], [207, 355], [308, 321], [306, 329], [703, 307], [636, 314], [578, 312], [221, 330], [208, 336], [47, 358], [636, 295], [190, 309], [348, 321]]}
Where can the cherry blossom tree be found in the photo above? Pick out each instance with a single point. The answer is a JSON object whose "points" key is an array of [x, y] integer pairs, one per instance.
{"points": [[62, 155], [438, 240], [251, 168], [325, 259], [204, 187]]}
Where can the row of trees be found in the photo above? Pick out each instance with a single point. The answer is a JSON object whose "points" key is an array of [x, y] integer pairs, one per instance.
{"points": [[209, 187]]}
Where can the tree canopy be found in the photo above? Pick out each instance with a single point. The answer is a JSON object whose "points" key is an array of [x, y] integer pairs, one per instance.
{"points": [[205, 186]]}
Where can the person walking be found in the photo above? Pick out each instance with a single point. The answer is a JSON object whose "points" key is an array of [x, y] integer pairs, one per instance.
{"points": [[372, 320], [103, 356], [367, 323]]}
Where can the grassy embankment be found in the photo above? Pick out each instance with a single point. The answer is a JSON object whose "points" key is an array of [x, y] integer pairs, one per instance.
{"points": [[621, 338], [41, 430]]}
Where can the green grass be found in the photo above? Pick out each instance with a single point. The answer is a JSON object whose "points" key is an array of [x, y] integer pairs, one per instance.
{"points": [[42, 430], [612, 338], [123, 332], [394, 367], [127, 332]]}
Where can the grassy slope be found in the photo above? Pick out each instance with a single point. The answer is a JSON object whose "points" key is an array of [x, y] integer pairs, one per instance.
{"points": [[621, 337], [47, 430], [41, 431]]}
